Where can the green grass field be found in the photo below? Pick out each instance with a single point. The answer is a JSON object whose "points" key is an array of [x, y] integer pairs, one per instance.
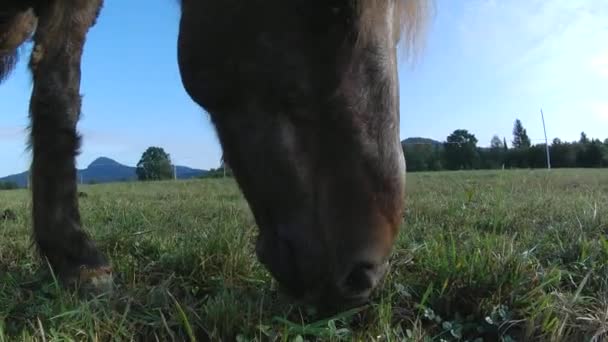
{"points": [[510, 255]]}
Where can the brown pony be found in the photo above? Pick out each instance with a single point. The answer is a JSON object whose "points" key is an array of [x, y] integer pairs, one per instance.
{"points": [[305, 100]]}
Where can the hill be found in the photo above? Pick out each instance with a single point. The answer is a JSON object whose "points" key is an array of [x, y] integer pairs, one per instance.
{"points": [[106, 170], [420, 141]]}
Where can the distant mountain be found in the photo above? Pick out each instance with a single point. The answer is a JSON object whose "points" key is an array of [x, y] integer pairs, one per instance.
{"points": [[106, 170], [419, 140], [184, 172], [20, 179]]}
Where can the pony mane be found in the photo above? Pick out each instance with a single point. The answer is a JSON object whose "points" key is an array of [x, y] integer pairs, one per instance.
{"points": [[410, 21]]}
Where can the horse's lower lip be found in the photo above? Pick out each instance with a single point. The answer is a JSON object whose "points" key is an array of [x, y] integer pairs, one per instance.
{"points": [[326, 304]]}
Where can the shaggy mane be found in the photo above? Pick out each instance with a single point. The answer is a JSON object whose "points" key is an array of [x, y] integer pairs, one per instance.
{"points": [[410, 21]]}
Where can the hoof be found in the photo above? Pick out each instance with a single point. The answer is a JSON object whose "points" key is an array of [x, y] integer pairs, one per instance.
{"points": [[96, 280]]}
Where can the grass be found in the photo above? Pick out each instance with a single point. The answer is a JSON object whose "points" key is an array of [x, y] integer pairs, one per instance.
{"points": [[501, 255]]}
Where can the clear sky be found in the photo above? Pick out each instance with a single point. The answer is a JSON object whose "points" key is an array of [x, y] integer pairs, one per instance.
{"points": [[486, 63]]}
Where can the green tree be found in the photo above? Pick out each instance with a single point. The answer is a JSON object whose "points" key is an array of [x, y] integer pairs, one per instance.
{"points": [[536, 156], [225, 167], [461, 150], [223, 170], [492, 158], [504, 144], [8, 185], [584, 140], [496, 143], [563, 154], [590, 154], [155, 164], [520, 136], [421, 156]]}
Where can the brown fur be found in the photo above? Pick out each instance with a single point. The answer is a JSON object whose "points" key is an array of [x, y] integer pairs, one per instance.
{"points": [[304, 97], [54, 112], [16, 26]]}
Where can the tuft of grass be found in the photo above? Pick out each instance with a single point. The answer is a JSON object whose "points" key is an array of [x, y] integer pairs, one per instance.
{"points": [[482, 256]]}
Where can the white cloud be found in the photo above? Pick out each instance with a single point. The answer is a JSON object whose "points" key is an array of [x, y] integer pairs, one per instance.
{"points": [[537, 39], [501, 32], [548, 53]]}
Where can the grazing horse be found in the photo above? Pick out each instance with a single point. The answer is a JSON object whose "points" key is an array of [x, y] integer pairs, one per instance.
{"points": [[304, 97]]}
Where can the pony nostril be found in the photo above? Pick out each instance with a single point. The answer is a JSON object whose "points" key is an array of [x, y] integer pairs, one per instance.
{"points": [[360, 279]]}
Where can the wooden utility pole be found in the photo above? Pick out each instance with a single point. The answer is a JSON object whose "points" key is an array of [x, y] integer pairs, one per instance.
{"points": [[546, 141]]}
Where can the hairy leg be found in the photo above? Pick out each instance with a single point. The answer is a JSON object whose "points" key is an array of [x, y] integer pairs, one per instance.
{"points": [[54, 112]]}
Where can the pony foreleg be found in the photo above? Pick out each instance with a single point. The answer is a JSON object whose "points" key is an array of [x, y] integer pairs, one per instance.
{"points": [[54, 112]]}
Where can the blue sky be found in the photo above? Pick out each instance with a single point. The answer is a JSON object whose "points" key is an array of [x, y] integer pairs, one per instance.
{"points": [[485, 63]]}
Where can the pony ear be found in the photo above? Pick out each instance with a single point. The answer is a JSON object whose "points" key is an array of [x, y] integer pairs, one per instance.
{"points": [[15, 28]]}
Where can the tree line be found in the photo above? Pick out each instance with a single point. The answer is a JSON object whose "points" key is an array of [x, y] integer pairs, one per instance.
{"points": [[155, 164], [8, 185], [460, 152]]}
